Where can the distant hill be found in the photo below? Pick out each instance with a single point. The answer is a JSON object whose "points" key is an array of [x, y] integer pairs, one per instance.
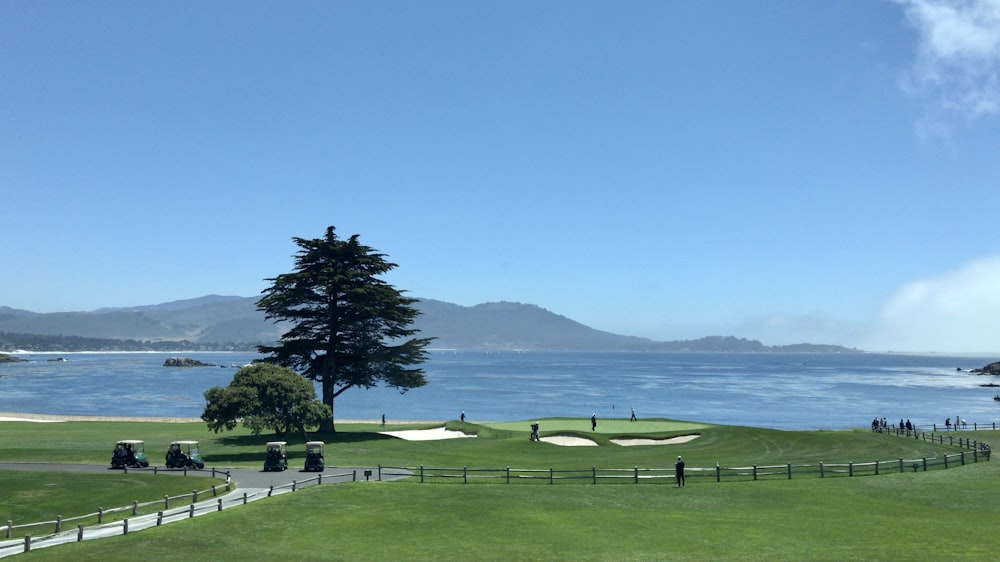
{"points": [[229, 322]]}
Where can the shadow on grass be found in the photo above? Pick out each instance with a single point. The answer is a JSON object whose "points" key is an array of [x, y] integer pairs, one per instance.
{"points": [[295, 440]]}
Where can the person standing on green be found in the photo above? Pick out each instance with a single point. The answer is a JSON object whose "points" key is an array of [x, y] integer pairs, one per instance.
{"points": [[679, 470]]}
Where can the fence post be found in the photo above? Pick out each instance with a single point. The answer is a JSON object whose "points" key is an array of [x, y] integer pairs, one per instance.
{"points": [[850, 468], [551, 476], [125, 526], [270, 490], [789, 471], [154, 470], [27, 543], [100, 515], [354, 476], [190, 511], [508, 474], [754, 473], [876, 467], [79, 533], [636, 474], [194, 496], [718, 472], [465, 474], [319, 479], [593, 472], [10, 527], [135, 507], [946, 461], [244, 498], [220, 505], [925, 464], [214, 493], [821, 475], [421, 474], [294, 485], [166, 503], [159, 518], [901, 465]]}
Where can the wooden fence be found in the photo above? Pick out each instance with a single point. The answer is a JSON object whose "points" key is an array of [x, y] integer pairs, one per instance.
{"points": [[200, 504], [973, 452]]}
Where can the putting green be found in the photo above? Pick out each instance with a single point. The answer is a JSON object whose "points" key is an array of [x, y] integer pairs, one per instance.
{"points": [[615, 426]]}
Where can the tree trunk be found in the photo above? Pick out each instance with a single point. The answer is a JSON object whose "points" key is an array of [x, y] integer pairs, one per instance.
{"points": [[327, 425]]}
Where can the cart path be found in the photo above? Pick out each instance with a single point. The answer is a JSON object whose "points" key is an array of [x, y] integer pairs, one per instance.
{"points": [[242, 477], [251, 485]]}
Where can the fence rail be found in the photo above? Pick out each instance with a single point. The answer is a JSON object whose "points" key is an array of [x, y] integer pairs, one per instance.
{"points": [[199, 506], [973, 451]]}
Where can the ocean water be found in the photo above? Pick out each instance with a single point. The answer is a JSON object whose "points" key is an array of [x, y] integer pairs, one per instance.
{"points": [[782, 391]]}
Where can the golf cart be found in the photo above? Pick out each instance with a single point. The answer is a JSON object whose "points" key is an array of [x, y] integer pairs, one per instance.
{"points": [[129, 453], [276, 459], [184, 454], [314, 456]]}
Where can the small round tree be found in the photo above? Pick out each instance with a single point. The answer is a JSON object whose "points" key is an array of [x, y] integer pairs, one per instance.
{"points": [[264, 396]]}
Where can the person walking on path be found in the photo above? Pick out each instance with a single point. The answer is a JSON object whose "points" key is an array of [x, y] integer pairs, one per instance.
{"points": [[593, 422], [463, 416], [383, 420], [679, 470], [632, 419]]}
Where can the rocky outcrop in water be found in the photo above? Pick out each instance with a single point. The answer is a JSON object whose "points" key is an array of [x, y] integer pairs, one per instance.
{"points": [[4, 358], [185, 362], [991, 369]]}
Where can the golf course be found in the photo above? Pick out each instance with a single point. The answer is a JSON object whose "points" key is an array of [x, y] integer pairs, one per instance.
{"points": [[910, 514]]}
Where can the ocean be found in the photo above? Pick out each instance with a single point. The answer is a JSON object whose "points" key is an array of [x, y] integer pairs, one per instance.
{"points": [[775, 390]]}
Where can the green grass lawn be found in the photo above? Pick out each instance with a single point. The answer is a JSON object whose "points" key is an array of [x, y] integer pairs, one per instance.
{"points": [[947, 514], [30, 496]]}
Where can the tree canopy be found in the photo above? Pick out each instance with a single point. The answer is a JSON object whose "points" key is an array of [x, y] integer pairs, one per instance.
{"points": [[349, 327], [264, 396]]}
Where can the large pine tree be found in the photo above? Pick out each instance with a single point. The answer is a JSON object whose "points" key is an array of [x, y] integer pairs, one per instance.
{"points": [[349, 327]]}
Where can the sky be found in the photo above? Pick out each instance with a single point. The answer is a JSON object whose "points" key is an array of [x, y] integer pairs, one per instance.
{"points": [[786, 171]]}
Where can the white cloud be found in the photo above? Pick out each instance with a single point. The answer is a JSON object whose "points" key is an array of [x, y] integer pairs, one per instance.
{"points": [[958, 65], [958, 311]]}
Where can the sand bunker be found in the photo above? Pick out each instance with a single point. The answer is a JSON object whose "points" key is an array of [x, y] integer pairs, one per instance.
{"points": [[426, 434], [567, 441], [671, 441], [6, 419]]}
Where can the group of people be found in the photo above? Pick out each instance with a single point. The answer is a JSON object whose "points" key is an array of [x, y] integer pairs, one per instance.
{"points": [[125, 453], [880, 425], [958, 421]]}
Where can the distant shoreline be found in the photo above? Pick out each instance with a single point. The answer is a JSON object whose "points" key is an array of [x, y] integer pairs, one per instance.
{"points": [[54, 418]]}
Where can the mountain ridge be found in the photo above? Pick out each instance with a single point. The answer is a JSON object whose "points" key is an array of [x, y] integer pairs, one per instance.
{"points": [[233, 322]]}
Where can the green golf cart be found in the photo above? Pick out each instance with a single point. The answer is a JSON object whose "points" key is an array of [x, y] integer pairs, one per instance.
{"points": [[184, 454], [276, 459], [314, 456], [129, 453]]}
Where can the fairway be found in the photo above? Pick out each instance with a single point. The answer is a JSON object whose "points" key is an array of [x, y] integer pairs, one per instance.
{"points": [[571, 519], [606, 426]]}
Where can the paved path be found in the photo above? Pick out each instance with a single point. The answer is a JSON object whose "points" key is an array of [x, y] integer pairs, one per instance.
{"points": [[251, 485]]}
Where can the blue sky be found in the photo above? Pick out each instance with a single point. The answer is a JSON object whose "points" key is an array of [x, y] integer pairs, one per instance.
{"points": [[784, 171]]}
